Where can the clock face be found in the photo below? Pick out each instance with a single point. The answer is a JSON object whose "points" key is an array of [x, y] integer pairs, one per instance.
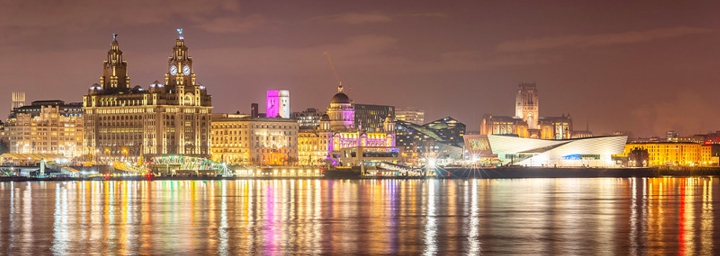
{"points": [[186, 70], [173, 70]]}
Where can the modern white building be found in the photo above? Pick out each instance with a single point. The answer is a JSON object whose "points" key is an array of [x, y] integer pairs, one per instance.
{"points": [[593, 151]]}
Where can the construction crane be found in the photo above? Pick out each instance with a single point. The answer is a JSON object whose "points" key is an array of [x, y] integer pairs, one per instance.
{"points": [[332, 66]]}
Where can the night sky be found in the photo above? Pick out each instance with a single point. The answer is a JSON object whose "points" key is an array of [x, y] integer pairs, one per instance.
{"points": [[620, 65]]}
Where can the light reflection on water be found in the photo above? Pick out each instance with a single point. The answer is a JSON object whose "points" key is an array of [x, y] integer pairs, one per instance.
{"points": [[521, 216]]}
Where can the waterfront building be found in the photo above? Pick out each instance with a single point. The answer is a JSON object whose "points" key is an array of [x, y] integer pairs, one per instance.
{"points": [[308, 119], [170, 118], [663, 153], [46, 127], [314, 144], [238, 139], [594, 151], [371, 117], [440, 140], [339, 127], [410, 115], [278, 103]]}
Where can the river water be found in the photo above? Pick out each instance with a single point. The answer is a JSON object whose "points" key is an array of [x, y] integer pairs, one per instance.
{"points": [[433, 217]]}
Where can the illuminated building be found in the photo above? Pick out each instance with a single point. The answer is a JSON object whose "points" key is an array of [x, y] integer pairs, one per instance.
{"points": [[18, 100], [238, 139], [478, 148], [278, 104], [410, 115], [341, 112], [500, 125], [337, 131], [527, 123], [314, 144], [441, 140], [46, 127], [167, 119], [675, 153], [527, 105], [371, 117], [308, 119], [594, 151]]}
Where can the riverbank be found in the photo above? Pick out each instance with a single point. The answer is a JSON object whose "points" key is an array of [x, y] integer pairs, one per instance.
{"points": [[447, 173]]}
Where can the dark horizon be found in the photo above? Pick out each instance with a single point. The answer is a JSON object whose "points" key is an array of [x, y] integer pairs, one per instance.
{"points": [[646, 68]]}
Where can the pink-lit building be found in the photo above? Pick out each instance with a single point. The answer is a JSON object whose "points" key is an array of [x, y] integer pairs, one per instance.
{"points": [[278, 103], [337, 132]]}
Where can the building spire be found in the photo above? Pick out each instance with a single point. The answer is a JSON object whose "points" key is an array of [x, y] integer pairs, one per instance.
{"points": [[115, 37], [180, 35]]}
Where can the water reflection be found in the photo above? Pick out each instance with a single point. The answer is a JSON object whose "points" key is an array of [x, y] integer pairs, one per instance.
{"points": [[521, 216]]}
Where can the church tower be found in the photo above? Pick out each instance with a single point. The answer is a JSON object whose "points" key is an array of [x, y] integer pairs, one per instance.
{"points": [[526, 104], [114, 78]]}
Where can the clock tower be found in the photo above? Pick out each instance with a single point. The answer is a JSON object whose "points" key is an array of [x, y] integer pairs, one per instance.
{"points": [[180, 66]]}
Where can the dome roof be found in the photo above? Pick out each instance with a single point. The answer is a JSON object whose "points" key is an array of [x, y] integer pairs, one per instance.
{"points": [[325, 117], [340, 98]]}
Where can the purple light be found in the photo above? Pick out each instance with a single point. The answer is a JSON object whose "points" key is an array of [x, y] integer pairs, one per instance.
{"points": [[272, 103]]}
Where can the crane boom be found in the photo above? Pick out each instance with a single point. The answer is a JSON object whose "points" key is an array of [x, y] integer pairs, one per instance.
{"points": [[332, 66]]}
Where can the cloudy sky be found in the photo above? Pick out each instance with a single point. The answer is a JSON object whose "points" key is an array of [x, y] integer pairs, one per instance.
{"points": [[639, 66]]}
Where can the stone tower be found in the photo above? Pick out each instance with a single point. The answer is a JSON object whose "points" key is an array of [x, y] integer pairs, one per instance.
{"points": [[527, 105]]}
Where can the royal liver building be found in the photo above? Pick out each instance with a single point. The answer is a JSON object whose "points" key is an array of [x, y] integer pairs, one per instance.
{"points": [[124, 123]]}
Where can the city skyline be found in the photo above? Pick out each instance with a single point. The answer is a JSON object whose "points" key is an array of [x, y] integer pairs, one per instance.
{"points": [[655, 70]]}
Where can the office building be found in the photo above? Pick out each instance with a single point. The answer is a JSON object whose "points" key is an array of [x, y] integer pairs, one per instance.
{"points": [[440, 141], [410, 115], [170, 118], [371, 117], [308, 119], [46, 127], [254, 141]]}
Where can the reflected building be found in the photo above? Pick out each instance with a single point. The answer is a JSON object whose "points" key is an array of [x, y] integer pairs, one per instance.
{"points": [[124, 122]]}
